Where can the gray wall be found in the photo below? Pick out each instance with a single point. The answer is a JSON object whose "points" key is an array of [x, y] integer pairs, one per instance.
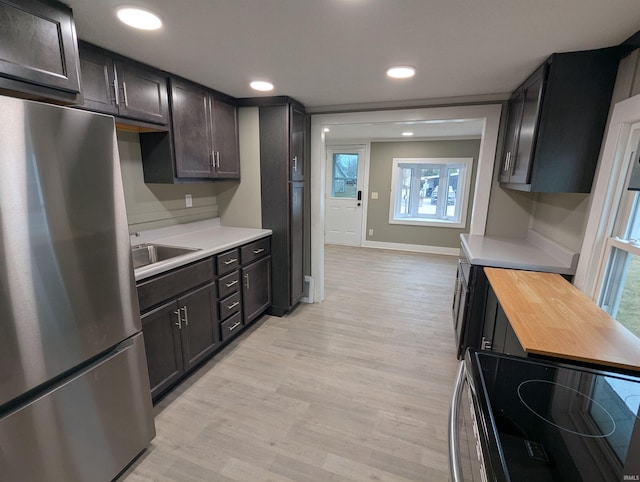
{"points": [[157, 205], [562, 217], [240, 203], [381, 160]]}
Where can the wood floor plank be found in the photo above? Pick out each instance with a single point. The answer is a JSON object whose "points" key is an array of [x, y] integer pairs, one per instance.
{"points": [[354, 388]]}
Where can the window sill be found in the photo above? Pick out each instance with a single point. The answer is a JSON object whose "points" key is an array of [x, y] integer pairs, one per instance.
{"points": [[437, 223]]}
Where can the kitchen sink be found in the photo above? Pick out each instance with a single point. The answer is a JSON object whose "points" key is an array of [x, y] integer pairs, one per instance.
{"points": [[146, 254]]}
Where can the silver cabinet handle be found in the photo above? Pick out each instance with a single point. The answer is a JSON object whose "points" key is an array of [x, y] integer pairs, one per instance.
{"points": [[186, 315], [233, 305], [229, 285], [231, 328], [232, 260], [246, 277], [454, 455], [295, 198], [258, 251], [218, 159], [115, 91], [124, 90], [179, 322], [212, 157], [510, 162], [295, 163]]}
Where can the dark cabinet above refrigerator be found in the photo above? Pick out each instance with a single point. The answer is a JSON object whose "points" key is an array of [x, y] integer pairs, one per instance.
{"points": [[39, 55]]}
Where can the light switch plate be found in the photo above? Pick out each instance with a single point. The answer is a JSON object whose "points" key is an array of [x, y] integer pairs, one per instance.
{"points": [[374, 195], [188, 200]]}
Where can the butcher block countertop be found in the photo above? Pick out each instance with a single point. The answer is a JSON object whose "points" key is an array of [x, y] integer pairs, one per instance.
{"points": [[551, 317]]}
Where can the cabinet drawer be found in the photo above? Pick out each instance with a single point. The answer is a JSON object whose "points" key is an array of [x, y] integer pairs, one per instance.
{"points": [[169, 285], [228, 261], [255, 250], [229, 306], [230, 327], [228, 284]]}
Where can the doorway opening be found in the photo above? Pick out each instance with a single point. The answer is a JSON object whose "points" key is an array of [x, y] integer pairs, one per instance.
{"points": [[345, 197], [488, 115]]}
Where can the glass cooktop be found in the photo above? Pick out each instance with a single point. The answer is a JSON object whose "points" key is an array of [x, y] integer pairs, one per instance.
{"points": [[562, 423]]}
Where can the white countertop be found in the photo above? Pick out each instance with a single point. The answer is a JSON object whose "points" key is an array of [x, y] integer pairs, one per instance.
{"points": [[533, 253], [208, 236]]}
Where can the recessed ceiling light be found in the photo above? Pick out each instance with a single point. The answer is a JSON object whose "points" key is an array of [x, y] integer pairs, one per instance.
{"points": [[407, 134], [401, 72], [138, 18], [261, 85]]}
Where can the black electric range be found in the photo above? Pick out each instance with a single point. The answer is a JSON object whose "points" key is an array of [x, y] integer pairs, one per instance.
{"points": [[551, 422]]}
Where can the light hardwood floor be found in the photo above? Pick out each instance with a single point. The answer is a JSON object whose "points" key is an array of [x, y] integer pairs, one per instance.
{"points": [[355, 388]]}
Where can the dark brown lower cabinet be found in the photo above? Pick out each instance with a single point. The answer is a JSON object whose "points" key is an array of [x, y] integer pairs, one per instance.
{"points": [[256, 288], [183, 322], [163, 347], [200, 331], [296, 286], [178, 335], [497, 334]]}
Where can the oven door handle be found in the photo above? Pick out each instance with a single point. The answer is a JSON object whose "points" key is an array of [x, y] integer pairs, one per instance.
{"points": [[454, 454]]}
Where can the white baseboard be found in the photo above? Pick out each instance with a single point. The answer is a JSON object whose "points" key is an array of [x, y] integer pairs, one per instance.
{"points": [[417, 248]]}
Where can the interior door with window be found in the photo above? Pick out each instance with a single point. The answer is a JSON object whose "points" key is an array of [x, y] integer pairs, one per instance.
{"points": [[344, 198]]}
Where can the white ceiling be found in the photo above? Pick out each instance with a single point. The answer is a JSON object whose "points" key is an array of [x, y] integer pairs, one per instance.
{"points": [[335, 52]]}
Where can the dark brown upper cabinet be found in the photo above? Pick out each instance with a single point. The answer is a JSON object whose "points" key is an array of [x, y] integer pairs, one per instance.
{"points": [[191, 124], [202, 143], [121, 87], [39, 50], [225, 138], [556, 121], [297, 123]]}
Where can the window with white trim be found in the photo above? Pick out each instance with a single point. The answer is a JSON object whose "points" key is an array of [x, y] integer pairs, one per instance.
{"points": [[620, 288], [430, 191], [620, 294]]}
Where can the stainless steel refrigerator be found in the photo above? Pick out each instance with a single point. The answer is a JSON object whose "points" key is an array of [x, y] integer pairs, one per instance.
{"points": [[74, 389]]}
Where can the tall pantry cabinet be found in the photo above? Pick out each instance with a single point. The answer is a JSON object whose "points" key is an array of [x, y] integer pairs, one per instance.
{"points": [[282, 132]]}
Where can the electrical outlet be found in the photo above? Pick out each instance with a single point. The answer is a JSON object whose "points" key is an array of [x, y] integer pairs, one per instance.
{"points": [[371, 232], [188, 200], [374, 195]]}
